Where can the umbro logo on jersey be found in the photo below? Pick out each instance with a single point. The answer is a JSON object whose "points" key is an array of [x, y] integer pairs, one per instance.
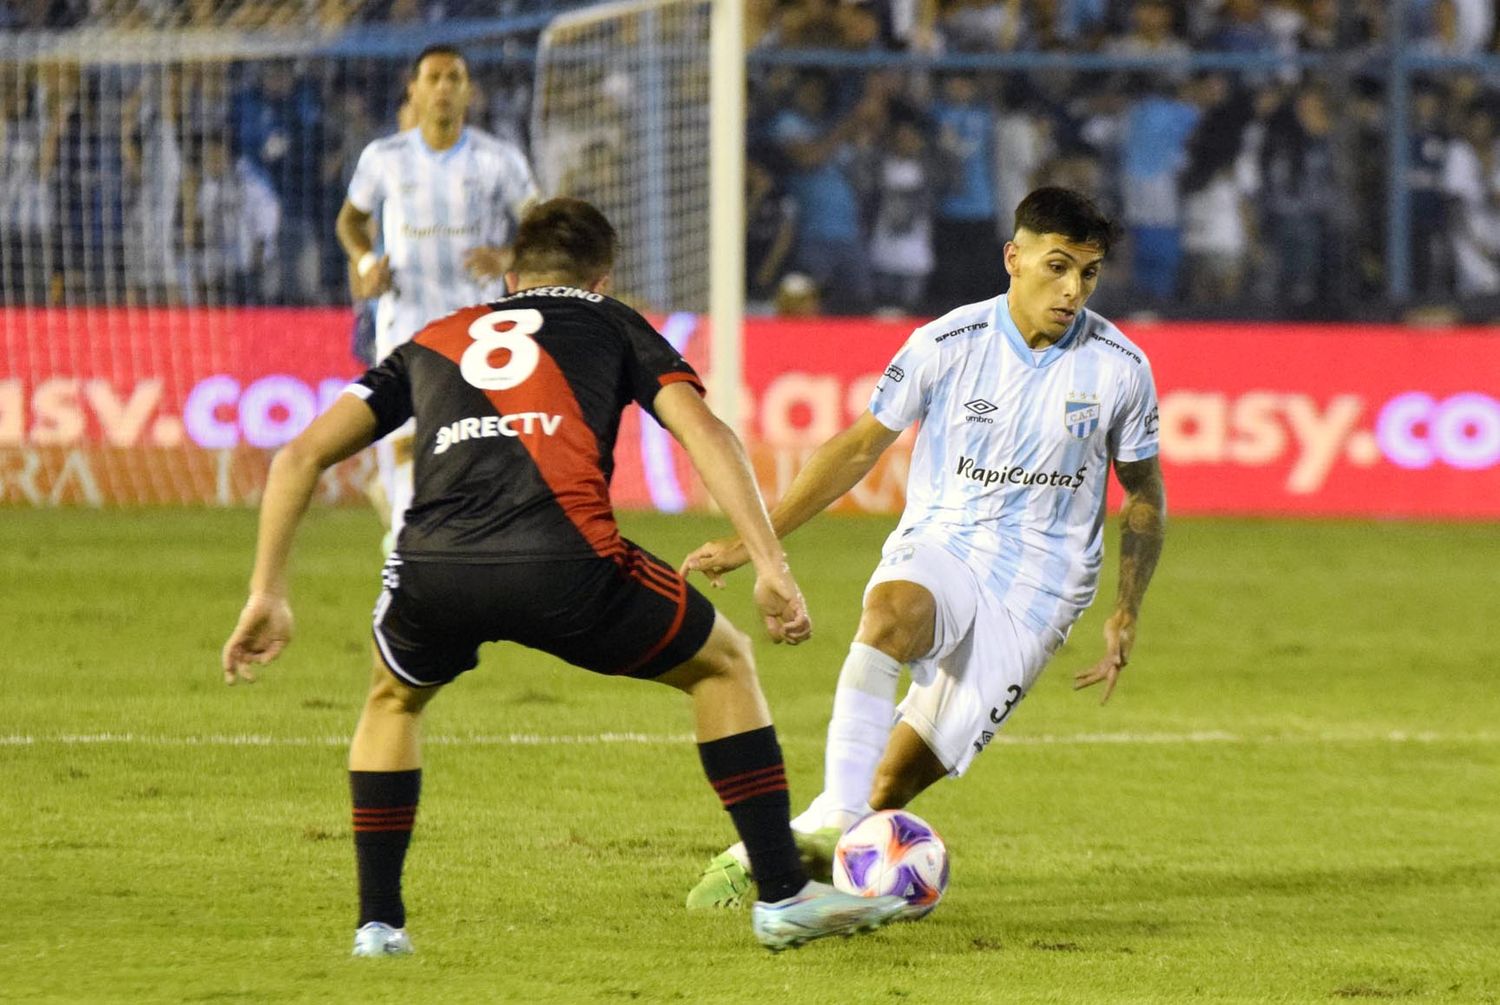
{"points": [[516, 424], [981, 410]]}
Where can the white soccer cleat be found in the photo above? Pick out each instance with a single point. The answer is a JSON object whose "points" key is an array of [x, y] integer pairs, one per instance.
{"points": [[816, 911], [376, 938]]}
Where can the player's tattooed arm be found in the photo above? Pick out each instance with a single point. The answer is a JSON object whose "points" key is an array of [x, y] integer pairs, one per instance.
{"points": [[1143, 528]]}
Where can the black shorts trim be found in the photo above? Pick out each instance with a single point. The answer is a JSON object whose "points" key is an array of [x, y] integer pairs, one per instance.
{"points": [[628, 615]]}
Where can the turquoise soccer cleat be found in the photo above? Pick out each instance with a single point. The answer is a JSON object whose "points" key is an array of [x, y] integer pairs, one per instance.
{"points": [[816, 912]]}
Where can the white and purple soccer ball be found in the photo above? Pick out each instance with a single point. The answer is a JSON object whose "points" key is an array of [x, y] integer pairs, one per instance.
{"points": [[893, 852]]}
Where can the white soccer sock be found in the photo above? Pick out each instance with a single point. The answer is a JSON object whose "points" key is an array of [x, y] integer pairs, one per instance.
{"points": [[864, 710]]}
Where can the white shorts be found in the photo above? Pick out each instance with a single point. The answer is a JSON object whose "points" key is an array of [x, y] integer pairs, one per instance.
{"points": [[983, 658]]}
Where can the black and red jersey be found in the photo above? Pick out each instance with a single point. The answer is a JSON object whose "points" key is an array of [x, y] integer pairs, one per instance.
{"points": [[517, 405]]}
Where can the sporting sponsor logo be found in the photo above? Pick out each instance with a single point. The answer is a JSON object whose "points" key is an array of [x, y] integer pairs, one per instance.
{"points": [[1015, 474], [960, 331], [1081, 414], [486, 427], [1115, 345], [895, 373]]}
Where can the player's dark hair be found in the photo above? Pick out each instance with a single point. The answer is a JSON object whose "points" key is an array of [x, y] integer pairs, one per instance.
{"points": [[432, 50], [1054, 210], [565, 237]]}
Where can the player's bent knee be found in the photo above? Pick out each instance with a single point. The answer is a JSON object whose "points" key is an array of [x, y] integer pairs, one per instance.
{"points": [[392, 697], [902, 634], [725, 655]]}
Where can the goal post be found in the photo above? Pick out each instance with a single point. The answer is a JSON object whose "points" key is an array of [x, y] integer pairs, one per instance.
{"points": [[639, 108]]}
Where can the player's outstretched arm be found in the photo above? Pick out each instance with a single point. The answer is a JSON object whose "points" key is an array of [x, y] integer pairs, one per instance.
{"points": [[720, 459], [833, 469], [265, 624], [1143, 530]]}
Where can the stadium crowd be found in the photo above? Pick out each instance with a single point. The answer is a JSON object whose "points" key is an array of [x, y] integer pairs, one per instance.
{"points": [[1242, 193]]}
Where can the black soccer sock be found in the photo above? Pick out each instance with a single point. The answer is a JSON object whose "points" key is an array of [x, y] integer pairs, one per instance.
{"points": [[747, 772], [385, 808]]}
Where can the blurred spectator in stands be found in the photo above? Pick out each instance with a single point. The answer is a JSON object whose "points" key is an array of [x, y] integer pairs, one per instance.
{"points": [[901, 239], [770, 226], [1154, 155], [1153, 32], [1286, 20], [815, 143], [1298, 194], [762, 24], [1240, 26], [1368, 188], [1455, 27], [980, 25], [1023, 142], [828, 24], [90, 210], [278, 125], [1216, 228], [1427, 146], [1067, 25], [231, 225], [968, 266], [1471, 180], [151, 156], [1320, 30], [28, 172]]}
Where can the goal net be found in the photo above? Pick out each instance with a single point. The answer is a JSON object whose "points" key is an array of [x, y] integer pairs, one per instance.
{"points": [[173, 301], [620, 118]]}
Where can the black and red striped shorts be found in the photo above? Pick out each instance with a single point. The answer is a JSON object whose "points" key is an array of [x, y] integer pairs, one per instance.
{"points": [[632, 616]]}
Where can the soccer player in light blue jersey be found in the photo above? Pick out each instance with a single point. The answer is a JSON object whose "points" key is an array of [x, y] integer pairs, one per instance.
{"points": [[1024, 403], [449, 197]]}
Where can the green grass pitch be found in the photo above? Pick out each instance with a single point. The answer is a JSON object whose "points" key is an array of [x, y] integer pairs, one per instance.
{"points": [[1293, 797]]}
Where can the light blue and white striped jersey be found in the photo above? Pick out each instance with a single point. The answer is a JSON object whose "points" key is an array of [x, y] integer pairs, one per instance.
{"points": [[435, 206], [1012, 456]]}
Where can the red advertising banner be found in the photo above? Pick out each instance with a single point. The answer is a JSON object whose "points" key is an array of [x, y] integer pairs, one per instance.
{"points": [[1331, 420], [107, 406]]}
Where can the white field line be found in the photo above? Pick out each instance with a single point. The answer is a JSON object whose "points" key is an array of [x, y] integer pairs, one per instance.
{"points": [[649, 739]]}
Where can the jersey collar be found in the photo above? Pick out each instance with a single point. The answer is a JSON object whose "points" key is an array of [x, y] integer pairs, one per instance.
{"points": [[1005, 324], [442, 155]]}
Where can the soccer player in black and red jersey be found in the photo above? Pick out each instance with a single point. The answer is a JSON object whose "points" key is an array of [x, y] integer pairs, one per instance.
{"points": [[511, 537]]}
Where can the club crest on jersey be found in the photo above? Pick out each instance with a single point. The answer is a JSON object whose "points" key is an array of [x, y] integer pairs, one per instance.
{"points": [[1081, 414]]}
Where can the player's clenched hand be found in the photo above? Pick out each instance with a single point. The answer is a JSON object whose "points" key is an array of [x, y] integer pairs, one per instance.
{"points": [[716, 558], [1119, 638], [264, 629], [373, 281], [782, 608]]}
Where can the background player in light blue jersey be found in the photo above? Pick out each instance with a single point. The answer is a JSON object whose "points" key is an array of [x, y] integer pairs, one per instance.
{"points": [[449, 198], [1024, 402]]}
